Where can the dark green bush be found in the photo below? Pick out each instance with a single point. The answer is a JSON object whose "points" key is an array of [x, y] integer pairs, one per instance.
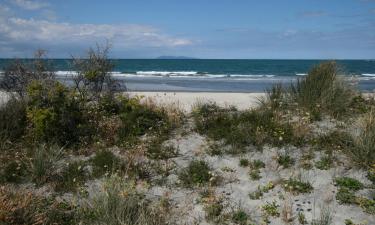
{"points": [[138, 119], [105, 162], [14, 172], [197, 173], [12, 120], [54, 115], [71, 177]]}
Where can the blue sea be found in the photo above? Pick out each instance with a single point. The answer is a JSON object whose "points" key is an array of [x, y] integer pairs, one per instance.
{"points": [[217, 75]]}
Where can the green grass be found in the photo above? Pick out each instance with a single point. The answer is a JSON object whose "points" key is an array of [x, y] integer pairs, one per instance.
{"points": [[345, 196], [285, 160], [255, 174], [213, 211], [349, 183], [362, 153], [271, 209], [14, 172], [43, 163], [325, 217], [323, 91], [241, 129], [325, 162], [72, 177], [244, 162], [118, 203], [197, 173], [297, 186], [240, 217], [257, 164], [105, 163]]}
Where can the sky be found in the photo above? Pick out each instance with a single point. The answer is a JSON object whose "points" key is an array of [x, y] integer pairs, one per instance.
{"points": [[225, 29]]}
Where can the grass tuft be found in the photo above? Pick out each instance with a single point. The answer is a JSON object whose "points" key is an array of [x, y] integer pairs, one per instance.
{"points": [[197, 173]]}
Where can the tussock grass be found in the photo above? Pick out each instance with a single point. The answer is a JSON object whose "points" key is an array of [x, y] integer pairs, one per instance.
{"points": [[119, 203], [43, 163], [323, 90], [363, 152]]}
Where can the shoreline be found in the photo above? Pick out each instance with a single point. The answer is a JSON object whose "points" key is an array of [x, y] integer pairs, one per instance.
{"points": [[187, 100]]}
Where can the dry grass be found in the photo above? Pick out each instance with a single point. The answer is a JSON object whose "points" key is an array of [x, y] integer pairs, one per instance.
{"points": [[363, 150]]}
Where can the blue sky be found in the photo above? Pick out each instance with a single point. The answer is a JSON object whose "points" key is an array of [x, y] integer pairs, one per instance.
{"points": [[334, 29]]}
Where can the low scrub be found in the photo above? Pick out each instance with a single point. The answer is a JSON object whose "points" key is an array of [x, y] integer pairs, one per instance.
{"points": [[241, 129], [23, 207], [53, 114], [12, 120]]}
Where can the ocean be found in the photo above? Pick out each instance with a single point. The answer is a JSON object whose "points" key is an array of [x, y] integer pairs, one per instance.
{"points": [[217, 75]]}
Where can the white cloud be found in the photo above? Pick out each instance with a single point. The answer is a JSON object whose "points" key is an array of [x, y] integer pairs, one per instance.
{"points": [[24, 34], [30, 4]]}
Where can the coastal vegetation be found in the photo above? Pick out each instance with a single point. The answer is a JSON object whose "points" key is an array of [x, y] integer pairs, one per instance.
{"points": [[89, 154]]}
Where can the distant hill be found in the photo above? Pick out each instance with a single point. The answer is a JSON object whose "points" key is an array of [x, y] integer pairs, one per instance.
{"points": [[174, 57]]}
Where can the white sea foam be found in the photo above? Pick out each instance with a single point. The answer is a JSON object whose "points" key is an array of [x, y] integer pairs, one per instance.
{"points": [[174, 74], [368, 74], [301, 74]]}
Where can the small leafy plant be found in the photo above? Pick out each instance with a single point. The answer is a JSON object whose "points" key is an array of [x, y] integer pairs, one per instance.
{"points": [[197, 173], [297, 186]]}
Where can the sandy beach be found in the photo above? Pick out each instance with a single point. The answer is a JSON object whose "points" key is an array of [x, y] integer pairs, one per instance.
{"points": [[186, 100]]}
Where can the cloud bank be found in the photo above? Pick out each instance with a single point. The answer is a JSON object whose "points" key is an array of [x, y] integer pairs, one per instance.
{"points": [[23, 35]]}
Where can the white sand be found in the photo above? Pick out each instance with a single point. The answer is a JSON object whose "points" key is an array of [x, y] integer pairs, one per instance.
{"points": [[186, 100]]}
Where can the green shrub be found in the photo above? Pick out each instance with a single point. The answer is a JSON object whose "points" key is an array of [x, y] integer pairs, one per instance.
{"points": [[345, 196], [244, 162], [156, 150], [71, 177], [349, 183], [197, 173], [240, 217], [14, 172], [255, 174], [325, 162], [12, 120], [285, 160], [271, 209], [138, 119], [241, 129], [257, 164], [335, 140], [214, 211], [54, 115], [105, 163]]}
